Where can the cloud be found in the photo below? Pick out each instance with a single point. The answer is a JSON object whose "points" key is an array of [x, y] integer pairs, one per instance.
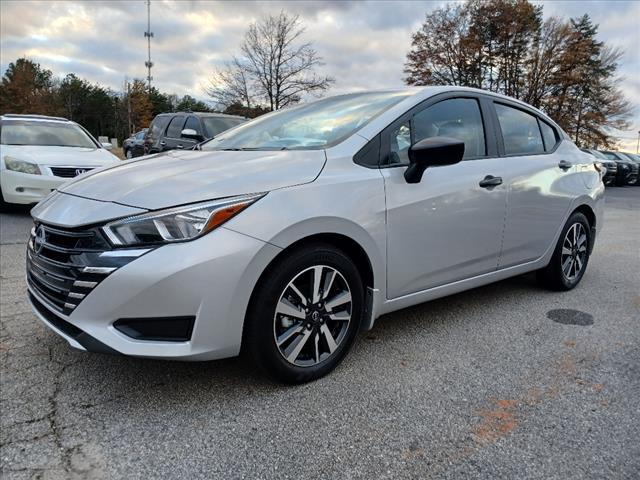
{"points": [[363, 43]]}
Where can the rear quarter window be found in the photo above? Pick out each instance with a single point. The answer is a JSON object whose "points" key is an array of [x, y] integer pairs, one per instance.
{"points": [[158, 125], [548, 135]]}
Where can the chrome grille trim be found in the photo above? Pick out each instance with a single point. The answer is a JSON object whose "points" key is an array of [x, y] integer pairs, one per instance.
{"points": [[63, 266], [98, 269]]}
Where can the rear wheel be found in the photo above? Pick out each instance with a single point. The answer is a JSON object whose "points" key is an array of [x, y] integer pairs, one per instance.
{"points": [[570, 257], [305, 314]]}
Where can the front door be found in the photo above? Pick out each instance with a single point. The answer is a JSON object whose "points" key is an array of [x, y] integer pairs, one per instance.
{"points": [[447, 227]]}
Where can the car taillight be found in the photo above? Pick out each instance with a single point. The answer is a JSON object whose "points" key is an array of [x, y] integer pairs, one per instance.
{"points": [[600, 168]]}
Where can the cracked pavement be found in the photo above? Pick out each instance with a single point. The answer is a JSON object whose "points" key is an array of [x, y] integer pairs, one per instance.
{"points": [[482, 384]]}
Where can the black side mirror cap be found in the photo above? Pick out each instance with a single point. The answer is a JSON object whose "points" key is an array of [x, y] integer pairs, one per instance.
{"points": [[432, 152]]}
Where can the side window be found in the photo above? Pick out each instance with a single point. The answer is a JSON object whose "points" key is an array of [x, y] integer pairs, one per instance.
{"points": [[520, 131], [175, 127], [194, 124], [399, 144], [457, 118], [548, 135]]}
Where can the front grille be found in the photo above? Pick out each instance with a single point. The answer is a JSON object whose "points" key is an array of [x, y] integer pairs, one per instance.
{"points": [[68, 172], [65, 265]]}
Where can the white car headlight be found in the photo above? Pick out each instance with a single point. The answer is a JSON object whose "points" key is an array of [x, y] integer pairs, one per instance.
{"points": [[176, 224], [21, 166]]}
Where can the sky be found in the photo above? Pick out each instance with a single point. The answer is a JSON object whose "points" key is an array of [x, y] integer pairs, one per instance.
{"points": [[363, 43]]}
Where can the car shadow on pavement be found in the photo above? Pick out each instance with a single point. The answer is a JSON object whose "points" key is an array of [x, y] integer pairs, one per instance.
{"points": [[132, 380]]}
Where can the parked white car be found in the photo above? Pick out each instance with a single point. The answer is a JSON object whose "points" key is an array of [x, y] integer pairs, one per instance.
{"points": [[38, 154]]}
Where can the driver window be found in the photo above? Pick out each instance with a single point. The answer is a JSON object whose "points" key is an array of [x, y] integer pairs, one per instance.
{"points": [[458, 118]]}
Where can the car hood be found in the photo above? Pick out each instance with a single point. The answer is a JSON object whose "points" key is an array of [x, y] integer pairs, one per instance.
{"points": [[176, 178], [60, 156]]}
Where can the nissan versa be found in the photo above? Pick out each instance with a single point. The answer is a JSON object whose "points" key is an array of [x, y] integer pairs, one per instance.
{"points": [[285, 235]]}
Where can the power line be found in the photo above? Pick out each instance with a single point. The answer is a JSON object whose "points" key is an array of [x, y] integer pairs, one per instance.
{"points": [[148, 34]]}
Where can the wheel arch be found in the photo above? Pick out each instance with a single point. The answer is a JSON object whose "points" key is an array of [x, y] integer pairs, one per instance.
{"points": [[588, 212], [351, 247], [342, 242]]}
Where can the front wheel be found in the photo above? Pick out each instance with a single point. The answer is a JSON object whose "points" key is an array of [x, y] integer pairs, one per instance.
{"points": [[305, 314], [570, 257], [128, 153]]}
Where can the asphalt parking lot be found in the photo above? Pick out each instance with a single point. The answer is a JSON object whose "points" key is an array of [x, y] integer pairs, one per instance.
{"points": [[483, 384]]}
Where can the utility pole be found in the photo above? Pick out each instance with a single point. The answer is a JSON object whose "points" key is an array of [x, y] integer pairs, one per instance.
{"points": [[638, 144], [129, 108], [148, 34]]}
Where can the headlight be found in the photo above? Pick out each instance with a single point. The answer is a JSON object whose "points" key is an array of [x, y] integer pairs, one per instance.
{"points": [[176, 224], [21, 166]]}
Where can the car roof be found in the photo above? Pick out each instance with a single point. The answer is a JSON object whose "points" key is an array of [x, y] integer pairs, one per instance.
{"points": [[416, 95], [202, 114], [34, 117]]}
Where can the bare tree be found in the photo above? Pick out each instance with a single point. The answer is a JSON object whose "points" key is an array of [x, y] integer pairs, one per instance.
{"points": [[275, 66], [232, 85]]}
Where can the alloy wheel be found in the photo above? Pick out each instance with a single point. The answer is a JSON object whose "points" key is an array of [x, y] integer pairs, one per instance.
{"points": [[312, 316], [574, 251]]}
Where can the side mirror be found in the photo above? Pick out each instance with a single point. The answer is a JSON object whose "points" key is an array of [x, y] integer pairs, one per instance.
{"points": [[107, 146], [432, 152], [192, 134]]}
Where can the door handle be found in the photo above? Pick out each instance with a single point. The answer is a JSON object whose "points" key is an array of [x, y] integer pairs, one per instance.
{"points": [[564, 165], [163, 143], [490, 181], [179, 146]]}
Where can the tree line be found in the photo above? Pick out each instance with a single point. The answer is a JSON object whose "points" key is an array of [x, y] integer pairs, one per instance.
{"points": [[505, 46], [27, 87]]}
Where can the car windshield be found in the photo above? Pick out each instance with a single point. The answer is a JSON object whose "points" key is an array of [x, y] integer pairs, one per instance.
{"points": [[216, 125], [610, 156], [628, 156], [597, 154], [314, 125], [44, 134]]}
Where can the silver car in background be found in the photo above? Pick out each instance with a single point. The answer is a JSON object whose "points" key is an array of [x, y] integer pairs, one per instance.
{"points": [[286, 235]]}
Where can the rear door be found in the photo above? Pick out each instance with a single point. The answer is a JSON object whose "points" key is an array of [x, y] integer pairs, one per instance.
{"points": [[447, 227], [542, 175]]}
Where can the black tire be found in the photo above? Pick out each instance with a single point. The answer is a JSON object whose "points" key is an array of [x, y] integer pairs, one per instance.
{"points": [[552, 276], [128, 154], [260, 324]]}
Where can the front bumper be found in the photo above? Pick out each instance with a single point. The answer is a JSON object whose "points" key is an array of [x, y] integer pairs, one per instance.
{"points": [[24, 188], [210, 279]]}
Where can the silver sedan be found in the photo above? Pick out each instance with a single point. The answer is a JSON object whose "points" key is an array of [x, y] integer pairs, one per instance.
{"points": [[286, 235]]}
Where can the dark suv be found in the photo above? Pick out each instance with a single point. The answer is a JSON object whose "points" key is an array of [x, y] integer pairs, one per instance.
{"points": [[610, 165], [184, 130], [628, 170]]}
